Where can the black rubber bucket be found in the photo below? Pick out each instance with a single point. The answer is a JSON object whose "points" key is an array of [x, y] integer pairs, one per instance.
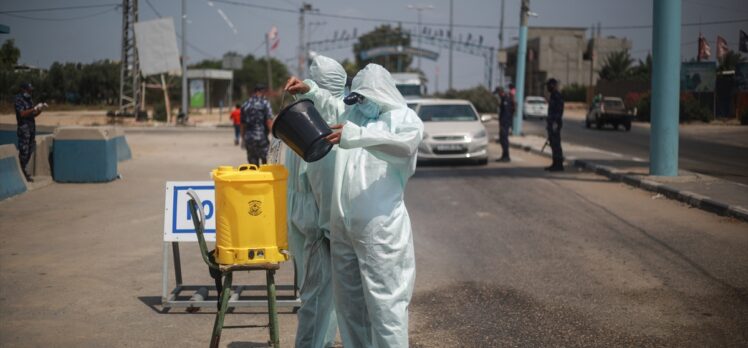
{"points": [[301, 127]]}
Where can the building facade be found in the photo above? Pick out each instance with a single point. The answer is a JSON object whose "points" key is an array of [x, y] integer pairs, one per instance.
{"points": [[564, 54]]}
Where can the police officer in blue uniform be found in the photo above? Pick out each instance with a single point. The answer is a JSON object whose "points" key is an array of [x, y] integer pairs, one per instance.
{"points": [[506, 111], [256, 115], [26, 113], [553, 125]]}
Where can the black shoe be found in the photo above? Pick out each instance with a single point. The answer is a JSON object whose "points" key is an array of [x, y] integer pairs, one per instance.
{"points": [[503, 159], [556, 168]]}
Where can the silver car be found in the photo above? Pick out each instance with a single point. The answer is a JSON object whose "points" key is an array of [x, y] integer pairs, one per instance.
{"points": [[452, 131]]}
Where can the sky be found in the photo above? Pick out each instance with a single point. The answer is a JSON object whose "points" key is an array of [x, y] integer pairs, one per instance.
{"points": [[86, 35]]}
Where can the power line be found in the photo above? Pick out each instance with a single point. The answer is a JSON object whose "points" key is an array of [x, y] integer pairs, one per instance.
{"points": [[153, 8], [49, 19], [59, 8], [436, 24]]}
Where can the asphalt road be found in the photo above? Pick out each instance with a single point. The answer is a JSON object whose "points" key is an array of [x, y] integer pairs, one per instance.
{"points": [[507, 255], [701, 150]]}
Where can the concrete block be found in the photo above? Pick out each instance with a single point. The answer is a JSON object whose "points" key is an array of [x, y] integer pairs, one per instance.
{"points": [[84, 154], [12, 181], [123, 149], [41, 165], [8, 132]]}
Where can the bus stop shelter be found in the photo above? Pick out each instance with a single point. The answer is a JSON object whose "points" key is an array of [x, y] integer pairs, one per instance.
{"points": [[210, 87]]}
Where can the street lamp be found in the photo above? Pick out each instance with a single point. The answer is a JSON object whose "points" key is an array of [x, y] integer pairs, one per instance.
{"points": [[420, 9]]}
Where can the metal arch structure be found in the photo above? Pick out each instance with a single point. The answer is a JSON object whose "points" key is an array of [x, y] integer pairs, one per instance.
{"points": [[129, 84], [476, 49]]}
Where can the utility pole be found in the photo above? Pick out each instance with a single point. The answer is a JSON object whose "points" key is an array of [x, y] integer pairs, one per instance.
{"points": [[129, 83], [666, 35], [521, 53], [451, 41], [420, 8], [185, 87], [501, 42], [305, 7]]}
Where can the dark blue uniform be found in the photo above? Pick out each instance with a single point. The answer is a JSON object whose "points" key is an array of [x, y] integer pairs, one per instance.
{"points": [[255, 113], [553, 126], [26, 131], [506, 111]]}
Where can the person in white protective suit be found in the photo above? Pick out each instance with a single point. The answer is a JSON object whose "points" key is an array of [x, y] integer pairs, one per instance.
{"points": [[317, 325], [372, 244]]}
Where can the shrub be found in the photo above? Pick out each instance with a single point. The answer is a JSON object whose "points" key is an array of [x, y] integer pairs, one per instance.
{"points": [[644, 107], [631, 100], [692, 110]]}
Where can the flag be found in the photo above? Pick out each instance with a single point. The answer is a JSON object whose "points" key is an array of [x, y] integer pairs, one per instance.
{"points": [[721, 47], [273, 39], [743, 42], [704, 51]]}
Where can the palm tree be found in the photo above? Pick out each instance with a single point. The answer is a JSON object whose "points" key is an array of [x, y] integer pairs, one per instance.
{"points": [[617, 66], [730, 61], [643, 70]]}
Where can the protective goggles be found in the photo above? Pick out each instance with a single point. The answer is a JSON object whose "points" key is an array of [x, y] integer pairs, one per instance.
{"points": [[354, 98]]}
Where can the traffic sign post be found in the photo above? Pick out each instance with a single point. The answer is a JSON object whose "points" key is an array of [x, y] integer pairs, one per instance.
{"points": [[179, 228]]}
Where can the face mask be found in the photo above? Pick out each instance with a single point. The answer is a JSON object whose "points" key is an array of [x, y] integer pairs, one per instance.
{"points": [[26, 95], [368, 109]]}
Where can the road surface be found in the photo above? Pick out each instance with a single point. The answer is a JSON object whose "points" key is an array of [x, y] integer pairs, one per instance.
{"points": [[507, 255]]}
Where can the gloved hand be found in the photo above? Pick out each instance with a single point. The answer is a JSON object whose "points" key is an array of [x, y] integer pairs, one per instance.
{"points": [[296, 86], [40, 107], [334, 137]]}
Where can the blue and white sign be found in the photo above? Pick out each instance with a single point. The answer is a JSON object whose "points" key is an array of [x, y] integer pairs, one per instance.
{"points": [[178, 223]]}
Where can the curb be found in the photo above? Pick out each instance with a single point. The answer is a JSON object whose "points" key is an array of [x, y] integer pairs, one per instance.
{"points": [[693, 199]]}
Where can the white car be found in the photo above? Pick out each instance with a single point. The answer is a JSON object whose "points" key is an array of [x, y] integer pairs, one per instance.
{"points": [[535, 107], [452, 131]]}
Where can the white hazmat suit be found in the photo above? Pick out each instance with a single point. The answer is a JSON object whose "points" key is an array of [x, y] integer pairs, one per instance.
{"points": [[317, 325], [372, 244]]}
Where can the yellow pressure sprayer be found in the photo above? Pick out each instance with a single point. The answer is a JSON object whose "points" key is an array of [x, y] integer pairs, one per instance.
{"points": [[251, 214]]}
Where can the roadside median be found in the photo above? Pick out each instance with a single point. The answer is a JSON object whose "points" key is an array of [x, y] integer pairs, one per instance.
{"points": [[701, 191]]}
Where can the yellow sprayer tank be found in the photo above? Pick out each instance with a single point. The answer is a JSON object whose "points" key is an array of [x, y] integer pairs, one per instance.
{"points": [[251, 214]]}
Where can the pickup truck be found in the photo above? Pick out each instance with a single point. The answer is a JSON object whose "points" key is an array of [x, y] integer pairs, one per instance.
{"points": [[610, 110]]}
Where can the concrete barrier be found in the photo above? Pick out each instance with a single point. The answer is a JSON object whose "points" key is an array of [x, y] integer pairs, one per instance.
{"points": [[12, 181], [41, 164], [8, 132], [84, 154], [123, 149]]}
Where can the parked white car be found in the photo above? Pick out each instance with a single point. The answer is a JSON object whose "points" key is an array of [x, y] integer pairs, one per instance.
{"points": [[535, 107], [452, 130]]}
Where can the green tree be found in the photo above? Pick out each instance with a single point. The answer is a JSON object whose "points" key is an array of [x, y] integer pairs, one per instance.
{"points": [[643, 70], [384, 35], [9, 55], [617, 66], [253, 71], [350, 67], [730, 61]]}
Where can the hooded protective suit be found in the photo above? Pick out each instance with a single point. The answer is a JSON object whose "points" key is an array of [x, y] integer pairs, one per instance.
{"points": [[372, 244], [317, 325]]}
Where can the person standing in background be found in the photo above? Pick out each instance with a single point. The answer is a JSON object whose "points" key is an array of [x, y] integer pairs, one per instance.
{"points": [[26, 114], [236, 119], [257, 115], [553, 125], [506, 112]]}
